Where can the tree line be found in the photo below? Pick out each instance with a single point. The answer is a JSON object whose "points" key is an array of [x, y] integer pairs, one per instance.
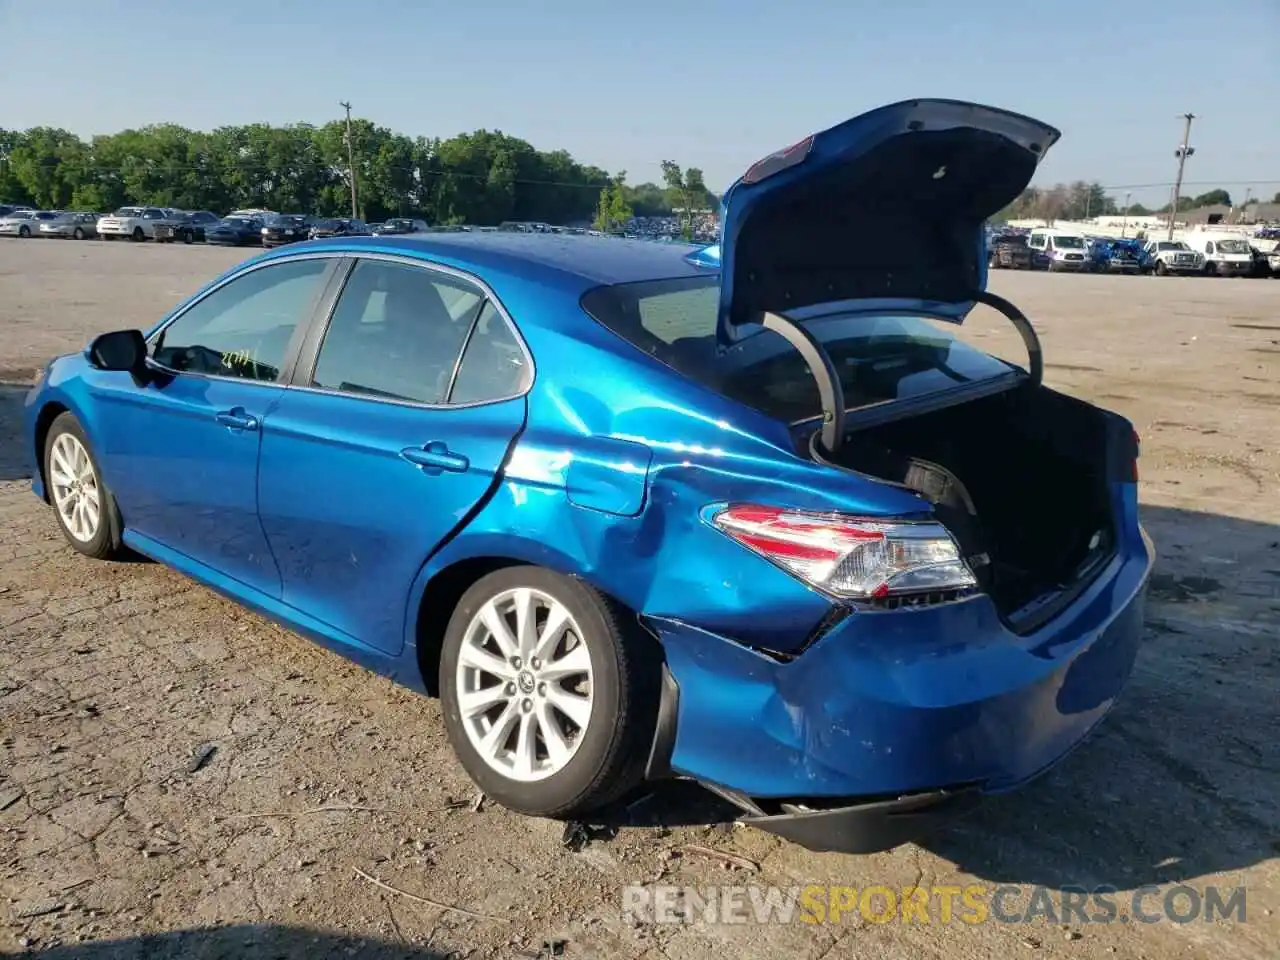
{"points": [[483, 177], [1081, 200]]}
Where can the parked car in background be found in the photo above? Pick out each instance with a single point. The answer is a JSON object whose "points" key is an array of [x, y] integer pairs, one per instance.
{"points": [[1261, 263], [256, 212], [400, 226], [1056, 250], [1225, 254], [135, 223], [760, 520], [8, 208], [339, 227], [189, 226], [1170, 257], [283, 228], [1273, 261], [1109, 255], [75, 226], [235, 231], [26, 223], [1010, 251]]}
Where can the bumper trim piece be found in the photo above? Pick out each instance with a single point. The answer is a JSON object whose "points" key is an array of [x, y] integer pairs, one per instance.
{"points": [[872, 826]]}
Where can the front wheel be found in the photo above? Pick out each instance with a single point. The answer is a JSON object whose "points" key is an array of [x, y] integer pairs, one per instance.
{"points": [[77, 234], [138, 236], [550, 693], [24, 232], [84, 507]]}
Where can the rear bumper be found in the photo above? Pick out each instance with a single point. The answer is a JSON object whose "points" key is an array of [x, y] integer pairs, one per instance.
{"points": [[896, 720]]}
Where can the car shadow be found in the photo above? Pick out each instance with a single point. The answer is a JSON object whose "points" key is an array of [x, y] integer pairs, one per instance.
{"points": [[247, 940], [15, 460], [1182, 779]]}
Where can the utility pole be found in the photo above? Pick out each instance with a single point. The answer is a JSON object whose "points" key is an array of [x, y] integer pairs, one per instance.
{"points": [[351, 159], [1184, 150], [1124, 228]]}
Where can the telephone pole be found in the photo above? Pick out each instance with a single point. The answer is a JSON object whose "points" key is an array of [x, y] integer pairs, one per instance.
{"points": [[1184, 150], [351, 159], [1124, 230]]}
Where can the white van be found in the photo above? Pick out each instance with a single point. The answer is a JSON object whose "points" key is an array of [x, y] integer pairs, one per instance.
{"points": [[1058, 249], [1225, 254]]}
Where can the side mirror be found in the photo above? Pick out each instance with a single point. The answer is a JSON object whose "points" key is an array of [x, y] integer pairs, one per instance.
{"points": [[124, 350]]}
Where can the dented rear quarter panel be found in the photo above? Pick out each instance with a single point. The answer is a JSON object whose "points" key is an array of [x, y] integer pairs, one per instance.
{"points": [[610, 480]]}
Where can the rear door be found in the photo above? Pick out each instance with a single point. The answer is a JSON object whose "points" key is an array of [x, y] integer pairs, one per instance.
{"points": [[403, 409]]}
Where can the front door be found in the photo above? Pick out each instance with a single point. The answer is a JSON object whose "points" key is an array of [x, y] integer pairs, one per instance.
{"points": [[394, 434], [181, 452]]}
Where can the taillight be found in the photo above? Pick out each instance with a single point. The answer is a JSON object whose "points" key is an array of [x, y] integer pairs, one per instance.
{"points": [[851, 557]]}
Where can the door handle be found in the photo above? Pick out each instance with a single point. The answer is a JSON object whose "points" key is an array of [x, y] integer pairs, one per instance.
{"points": [[436, 456], [237, 419]]}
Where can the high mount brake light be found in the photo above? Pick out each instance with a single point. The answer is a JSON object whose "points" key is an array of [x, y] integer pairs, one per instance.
{"points": [[852, 557], [778, 161]]}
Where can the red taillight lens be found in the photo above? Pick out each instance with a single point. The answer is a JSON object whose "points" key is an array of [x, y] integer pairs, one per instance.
{"points": [[852, 557]]}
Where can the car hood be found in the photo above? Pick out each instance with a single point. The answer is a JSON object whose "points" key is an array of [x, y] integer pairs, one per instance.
{"points": [[883, 211]]}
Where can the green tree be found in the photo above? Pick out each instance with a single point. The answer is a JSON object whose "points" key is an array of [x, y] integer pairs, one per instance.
{"points": [[614, 209], [690, 191]]}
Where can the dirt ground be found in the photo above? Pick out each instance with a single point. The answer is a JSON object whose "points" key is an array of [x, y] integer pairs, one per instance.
{"points": [[115, 842]]}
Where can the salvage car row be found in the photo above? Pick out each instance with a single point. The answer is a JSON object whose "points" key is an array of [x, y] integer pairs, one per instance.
{"points": [[252, 227], [1197, 253]]}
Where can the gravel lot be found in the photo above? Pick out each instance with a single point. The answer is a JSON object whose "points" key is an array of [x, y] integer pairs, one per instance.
{"points": [[113, 675]]}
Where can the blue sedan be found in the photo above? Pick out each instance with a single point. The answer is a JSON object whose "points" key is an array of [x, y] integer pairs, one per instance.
{"points": [[749, 515]]}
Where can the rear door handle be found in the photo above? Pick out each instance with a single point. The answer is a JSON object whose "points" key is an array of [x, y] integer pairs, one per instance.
{"points": [[436, 456], [237, 418]]}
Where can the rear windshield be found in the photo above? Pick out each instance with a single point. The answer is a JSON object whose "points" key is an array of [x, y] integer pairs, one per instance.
{"points": [[880, 358]]}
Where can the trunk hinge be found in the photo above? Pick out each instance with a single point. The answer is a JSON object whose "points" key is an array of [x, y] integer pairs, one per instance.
{"points": [[1035, 357], [823, 368]]}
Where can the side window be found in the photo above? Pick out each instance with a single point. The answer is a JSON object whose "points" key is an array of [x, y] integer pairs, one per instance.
{"points": [[493, 366], [396, 332], [243, 328], [1208, 248]]}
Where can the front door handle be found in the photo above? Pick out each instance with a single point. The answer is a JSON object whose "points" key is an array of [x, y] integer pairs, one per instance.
{"points": [[436, 456], [237, 419]]}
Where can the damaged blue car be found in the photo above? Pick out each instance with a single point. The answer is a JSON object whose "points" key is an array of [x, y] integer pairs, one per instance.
{"points": [[752, 516]]}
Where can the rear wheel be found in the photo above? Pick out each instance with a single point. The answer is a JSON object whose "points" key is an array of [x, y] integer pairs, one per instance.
{"points": [[24, 232], [1161, 269], [85, 509], [77, 234], [550, 695]]}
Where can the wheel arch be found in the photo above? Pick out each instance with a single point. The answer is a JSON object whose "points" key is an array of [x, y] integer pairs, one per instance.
{"points": [[444, 579], [44, 421]]}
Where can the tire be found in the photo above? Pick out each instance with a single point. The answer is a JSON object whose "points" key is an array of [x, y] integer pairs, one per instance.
{"points": [[606, 758], [77, 234], [104, 541], [137, 236], [187, 236], [107, 236], [24, 233], [1161, 269]]}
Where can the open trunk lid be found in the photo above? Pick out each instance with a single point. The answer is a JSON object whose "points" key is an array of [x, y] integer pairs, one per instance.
{"points": [[886, 208]]}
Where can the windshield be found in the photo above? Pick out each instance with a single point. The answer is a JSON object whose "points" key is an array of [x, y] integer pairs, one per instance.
{"points": [[879, 358], [1012, 240], [129, 212], [1171, 245], [1232, 246], [1068, 243], [238, 222]]}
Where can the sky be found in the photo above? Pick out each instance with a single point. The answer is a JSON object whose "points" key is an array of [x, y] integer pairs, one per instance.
{"points": [[716, 85]]}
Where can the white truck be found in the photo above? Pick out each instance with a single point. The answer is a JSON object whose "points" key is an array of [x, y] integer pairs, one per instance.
{"points": [[1225, 254], [1165, 257], [136, 223]]}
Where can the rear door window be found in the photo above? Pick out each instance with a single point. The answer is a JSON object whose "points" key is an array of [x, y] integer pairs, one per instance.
{"points": [[396, 333]]}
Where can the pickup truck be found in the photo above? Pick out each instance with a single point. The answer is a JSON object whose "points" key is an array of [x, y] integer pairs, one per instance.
{"points": [[1165, 257], [136, 223]]}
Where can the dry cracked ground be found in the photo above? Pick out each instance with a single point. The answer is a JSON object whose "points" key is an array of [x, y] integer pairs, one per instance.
{"points": [[179, 778]]}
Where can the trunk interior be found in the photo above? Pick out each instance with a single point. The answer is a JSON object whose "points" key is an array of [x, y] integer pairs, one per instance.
{"points": [[1021, 479]]}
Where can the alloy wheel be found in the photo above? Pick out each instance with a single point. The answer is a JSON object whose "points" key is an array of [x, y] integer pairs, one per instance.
{"points": [[524, 684], [75, 489]]}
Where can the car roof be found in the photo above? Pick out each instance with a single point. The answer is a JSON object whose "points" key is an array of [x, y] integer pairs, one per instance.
{"points": [[582, 261]]}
